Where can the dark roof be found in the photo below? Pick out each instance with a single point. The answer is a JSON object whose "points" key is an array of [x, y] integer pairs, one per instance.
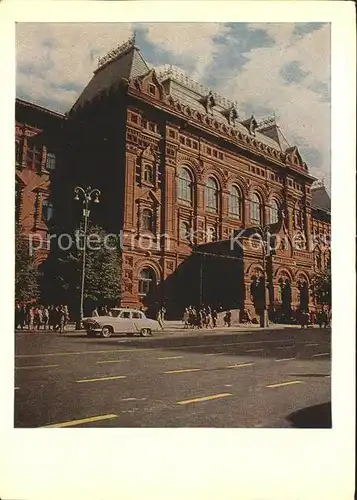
{"points": [[32, 105], [320, 199], [129, 63]]}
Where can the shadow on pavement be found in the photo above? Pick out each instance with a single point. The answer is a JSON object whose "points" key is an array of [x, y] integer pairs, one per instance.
{"points": [[312, 417]]}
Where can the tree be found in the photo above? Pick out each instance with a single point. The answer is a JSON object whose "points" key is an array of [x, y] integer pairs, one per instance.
{"points": [[321, 287], [63, 271], [26, 272]]}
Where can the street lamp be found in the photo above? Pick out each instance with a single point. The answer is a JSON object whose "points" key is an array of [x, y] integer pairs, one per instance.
{"points": [[87, 195], [264, 232]]}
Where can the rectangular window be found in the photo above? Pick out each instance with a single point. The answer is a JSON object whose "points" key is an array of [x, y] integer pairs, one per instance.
{"points": [[50, 162], [220, 155], [133, 118], [194, 145], [172, 133], [215, 153], [144, 123], [182, 139], [136, 315], [152, 127], [152, 89], [209, 151], [253, 170], [188, 143]]}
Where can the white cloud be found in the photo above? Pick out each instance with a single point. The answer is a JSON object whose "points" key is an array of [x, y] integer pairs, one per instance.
{"points": [[53, 54], [189, 41], [300, 111]]}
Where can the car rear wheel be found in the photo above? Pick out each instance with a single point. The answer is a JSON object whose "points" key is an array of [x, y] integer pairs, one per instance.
{"points": [[144, 332], [107, 332]]}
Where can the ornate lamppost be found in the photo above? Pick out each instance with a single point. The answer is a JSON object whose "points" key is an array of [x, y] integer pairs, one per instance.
{"points": [[87, 196]]}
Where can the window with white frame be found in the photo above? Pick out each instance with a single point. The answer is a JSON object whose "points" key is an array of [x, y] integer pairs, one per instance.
{"points": [[47, 210], [148, 174], [211, 195], [256, 209], [273, 212], [147, 281], [235, 202], [50, 162], [184, 185], [147, 220], [185, 230]]}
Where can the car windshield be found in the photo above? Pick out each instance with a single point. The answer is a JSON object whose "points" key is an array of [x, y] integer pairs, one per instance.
{"points": [[115, 312]]}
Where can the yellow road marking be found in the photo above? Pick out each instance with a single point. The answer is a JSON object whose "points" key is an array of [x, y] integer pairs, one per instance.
{"points": [[321, 354], [171, 357], [183, 371], [285, 383], [238, 365], [83, 421], [205, 398], [98, 379], [35, 366], [113, 361], [284, 359]]}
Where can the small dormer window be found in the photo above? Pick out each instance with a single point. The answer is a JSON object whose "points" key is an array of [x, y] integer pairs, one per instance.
{"points": [[152, 89]]}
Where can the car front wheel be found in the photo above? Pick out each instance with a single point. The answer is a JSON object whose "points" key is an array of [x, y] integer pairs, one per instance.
{"points": [[107, 332], [144, 332]]}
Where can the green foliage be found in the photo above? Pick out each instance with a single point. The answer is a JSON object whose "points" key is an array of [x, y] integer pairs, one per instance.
{"points": [[102, 271], [26, 272], [321, 287]]}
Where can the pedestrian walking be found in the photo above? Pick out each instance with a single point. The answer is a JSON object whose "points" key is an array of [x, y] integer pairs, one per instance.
{"points": [[46, 318], [159, 319], [186, 319], [227, 318], [30, 317], [214, 318], [61, 319]]}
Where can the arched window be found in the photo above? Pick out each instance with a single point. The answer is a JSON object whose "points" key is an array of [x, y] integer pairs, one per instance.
{"points": [[211, 192], [47, 210], [211, 234], [235, 202], [147, 281], [147, 220], [273, 212], [299, 215], [185, 231], [184, 185], [255, 210], [148, 174]]}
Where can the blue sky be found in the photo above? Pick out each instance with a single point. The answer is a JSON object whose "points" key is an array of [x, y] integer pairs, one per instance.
{"points": [[267, 68]]}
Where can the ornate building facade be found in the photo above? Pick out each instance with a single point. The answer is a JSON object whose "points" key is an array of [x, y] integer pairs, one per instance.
{"points": [[36, 141], [188, 183]]}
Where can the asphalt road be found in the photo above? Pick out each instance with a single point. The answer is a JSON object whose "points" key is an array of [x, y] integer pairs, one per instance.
{"points": [[248, 379]]}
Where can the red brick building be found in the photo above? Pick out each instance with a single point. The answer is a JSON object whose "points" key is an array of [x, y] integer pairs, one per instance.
{"points": [[36, 138], [179, 172]]}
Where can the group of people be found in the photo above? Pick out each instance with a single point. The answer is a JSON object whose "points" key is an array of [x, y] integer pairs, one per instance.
{"points": [[36, 317], [202, 317]]}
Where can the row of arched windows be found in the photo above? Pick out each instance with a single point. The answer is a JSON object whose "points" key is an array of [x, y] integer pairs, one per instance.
{"points": [[185, 192]]}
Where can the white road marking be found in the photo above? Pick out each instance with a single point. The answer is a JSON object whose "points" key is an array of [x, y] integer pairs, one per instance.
{"points": [[284, 359], [171, 357], [321, 354]]}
